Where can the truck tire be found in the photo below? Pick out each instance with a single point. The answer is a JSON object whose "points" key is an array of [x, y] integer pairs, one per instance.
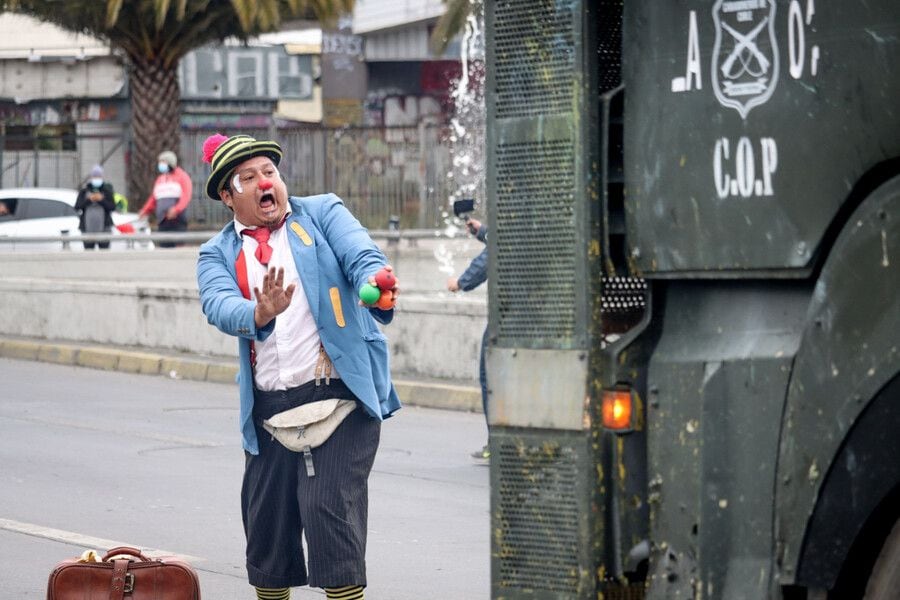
{"points": [[884, 582]]}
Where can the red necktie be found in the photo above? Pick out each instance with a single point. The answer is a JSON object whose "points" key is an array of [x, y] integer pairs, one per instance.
{"points": [[261, 235]]}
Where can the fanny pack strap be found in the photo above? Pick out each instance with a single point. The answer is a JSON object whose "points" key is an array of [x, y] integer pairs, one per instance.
{"points": [[308, 461], [323, 367]]}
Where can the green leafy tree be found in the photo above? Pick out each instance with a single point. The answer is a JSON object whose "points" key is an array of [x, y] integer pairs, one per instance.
{"points": [[452, 22], [154, 35]]}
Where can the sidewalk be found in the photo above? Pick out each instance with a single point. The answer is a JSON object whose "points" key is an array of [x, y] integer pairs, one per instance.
{"points": [[149, 361]]}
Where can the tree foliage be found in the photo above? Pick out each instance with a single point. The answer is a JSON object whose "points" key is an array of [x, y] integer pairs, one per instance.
{"points": [[452, 22], [166, 30]]}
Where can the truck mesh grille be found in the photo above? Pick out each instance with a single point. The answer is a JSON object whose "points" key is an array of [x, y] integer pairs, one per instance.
{"points": [[539, 518], [535, 244], [623, 294], [622, 303], [609, 44], [534, 57]]}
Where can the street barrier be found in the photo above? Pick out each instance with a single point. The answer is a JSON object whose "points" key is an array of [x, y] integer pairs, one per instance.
{"points": [[149, 300]]}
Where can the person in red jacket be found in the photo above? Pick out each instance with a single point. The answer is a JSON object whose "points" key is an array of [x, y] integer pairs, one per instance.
{"points": [[170, 196]]}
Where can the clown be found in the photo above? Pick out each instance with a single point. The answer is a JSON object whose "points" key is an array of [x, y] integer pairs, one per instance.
{"points": [[281, 277]]}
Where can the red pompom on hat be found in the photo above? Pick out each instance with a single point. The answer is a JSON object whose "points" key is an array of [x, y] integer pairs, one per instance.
{"points": [[210, 146]]}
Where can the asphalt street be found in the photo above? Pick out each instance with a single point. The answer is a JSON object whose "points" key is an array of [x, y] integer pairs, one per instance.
{"points": [[95, 458]]}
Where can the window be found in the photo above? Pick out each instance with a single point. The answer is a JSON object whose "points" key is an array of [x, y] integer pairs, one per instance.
{"points": [[41, 137], [42, 208], [8, 210]]}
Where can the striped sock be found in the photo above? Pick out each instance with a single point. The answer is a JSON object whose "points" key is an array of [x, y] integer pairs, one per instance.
{"points": [[346, 592], [273, 593]]}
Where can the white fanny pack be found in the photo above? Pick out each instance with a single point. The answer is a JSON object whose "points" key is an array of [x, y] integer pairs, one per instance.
{"points": [[308, 426]]}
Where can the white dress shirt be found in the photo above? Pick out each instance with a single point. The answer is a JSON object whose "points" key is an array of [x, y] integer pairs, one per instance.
{"points": [[288, 357]]}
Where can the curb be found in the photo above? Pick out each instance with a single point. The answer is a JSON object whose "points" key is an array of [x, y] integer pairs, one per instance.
{"points": [[411, 392]]}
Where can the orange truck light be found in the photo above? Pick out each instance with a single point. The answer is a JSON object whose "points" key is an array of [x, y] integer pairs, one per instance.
{"points": [[617, 410]]}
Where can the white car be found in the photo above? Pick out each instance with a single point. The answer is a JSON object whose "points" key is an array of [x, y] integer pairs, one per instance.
{"points": [[51, 212]]}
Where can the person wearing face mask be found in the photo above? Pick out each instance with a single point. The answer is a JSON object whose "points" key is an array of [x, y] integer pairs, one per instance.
{"points": [[95, 204], [283, 277], [170, 196]]}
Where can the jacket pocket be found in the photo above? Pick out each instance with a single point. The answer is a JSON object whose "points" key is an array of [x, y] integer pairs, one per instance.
{"points": [[335, 295], [374, 336], [379, 362]]}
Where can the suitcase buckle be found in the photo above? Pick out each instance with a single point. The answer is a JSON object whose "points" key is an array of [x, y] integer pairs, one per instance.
{"points": [[129, 583]]}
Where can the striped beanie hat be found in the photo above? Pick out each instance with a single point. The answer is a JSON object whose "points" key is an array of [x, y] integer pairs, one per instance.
{"points": [[225, 153]]}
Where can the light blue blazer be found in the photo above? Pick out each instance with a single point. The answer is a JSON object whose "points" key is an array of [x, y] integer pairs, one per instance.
{"points": [[334, 256]]}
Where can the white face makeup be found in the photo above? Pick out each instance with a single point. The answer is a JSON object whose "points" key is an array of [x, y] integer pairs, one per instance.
{"points": [[236, 181]]}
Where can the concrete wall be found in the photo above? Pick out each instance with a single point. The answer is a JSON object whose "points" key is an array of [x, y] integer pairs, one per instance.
{"points": [[149, 300]]}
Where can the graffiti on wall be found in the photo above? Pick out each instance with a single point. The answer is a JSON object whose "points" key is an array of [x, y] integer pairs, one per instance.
{"points": [[380, 172], [389, 110]]}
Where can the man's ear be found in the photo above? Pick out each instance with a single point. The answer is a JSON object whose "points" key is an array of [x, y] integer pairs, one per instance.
{"points": [[226, 198]]}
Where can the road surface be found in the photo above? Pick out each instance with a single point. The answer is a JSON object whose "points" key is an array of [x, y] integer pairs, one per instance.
{"points": [[94, 458]]}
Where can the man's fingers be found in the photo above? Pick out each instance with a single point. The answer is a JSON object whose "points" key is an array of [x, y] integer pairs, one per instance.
{"points": [[279, 278], [289, 292]]}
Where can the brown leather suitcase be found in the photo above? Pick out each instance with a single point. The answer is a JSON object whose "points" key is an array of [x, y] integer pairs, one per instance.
{"points": [[123, 574]]}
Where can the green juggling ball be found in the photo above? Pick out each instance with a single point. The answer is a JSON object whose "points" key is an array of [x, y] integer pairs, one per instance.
{"points": [[369, 294]]}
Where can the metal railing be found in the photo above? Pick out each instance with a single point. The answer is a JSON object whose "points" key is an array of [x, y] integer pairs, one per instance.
{"points": [[135, 240]]}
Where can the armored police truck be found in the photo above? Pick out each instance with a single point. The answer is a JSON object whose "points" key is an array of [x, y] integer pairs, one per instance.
{"points": [[694, 313]]}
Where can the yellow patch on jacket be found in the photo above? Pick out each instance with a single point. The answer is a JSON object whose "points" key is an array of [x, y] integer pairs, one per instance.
{"points": [[301, 233], [336, 305]]}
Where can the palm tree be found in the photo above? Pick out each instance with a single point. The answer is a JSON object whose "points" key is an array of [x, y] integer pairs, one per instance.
{"points": [[154, 35], [452, 22]]}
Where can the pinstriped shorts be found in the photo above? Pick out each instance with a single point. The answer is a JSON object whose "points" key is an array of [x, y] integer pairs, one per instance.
{"points": [[280, 503]]}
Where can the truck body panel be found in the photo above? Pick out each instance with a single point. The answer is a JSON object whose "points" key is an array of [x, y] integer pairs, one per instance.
{"points": [[729, 108], [718, 378]]}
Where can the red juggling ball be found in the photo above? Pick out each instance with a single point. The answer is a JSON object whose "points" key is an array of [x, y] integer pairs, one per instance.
{"points": [[385, 280]]}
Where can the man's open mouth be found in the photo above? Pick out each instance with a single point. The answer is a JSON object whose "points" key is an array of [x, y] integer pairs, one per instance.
{"points": [[267, 200]]}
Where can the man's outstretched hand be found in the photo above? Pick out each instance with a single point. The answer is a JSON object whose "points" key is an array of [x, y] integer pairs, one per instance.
{"points": [[386, 282], [274, 298]]}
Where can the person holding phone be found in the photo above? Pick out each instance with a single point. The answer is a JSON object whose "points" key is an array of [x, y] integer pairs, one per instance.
{"points": [[474, 275], [95, 205]]}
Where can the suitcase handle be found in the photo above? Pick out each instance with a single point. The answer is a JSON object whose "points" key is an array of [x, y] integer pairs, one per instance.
{"points": [[125, 550]]}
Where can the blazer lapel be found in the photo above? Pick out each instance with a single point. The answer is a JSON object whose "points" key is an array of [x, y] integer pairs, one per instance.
{"points": [[231, 246]]}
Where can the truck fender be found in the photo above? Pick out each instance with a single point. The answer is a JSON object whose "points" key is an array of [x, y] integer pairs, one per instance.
{"points": [[831, 467]]}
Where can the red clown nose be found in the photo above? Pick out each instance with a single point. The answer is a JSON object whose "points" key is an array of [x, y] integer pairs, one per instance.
{"points": [[266, 184]]}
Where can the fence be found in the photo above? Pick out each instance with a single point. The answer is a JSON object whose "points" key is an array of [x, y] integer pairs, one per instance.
{"points": [[395, 176], [60, 161], [380, 173]]}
